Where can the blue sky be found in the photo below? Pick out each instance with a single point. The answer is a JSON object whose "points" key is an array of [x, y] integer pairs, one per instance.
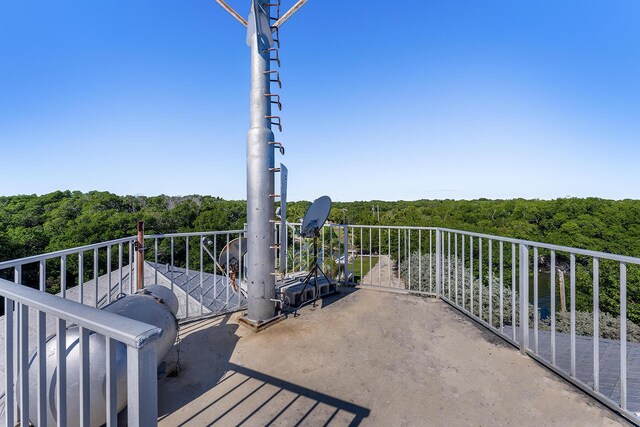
{"points": [[417, 99]]}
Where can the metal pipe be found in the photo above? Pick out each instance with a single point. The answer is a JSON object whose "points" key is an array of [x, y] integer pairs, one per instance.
{"points": [[232, 12], [260, 182], [296, 7]]}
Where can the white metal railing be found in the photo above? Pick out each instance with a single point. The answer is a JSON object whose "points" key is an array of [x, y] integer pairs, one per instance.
{"points": [[116, 330], [494, 280], [191, 268], [497, 282], [96, 274], [82, 265]]}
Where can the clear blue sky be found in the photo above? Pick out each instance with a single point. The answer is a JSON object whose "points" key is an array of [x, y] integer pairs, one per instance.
{"points": [[382, 100]]}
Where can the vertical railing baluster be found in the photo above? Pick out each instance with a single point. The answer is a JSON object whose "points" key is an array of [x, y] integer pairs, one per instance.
{"points": [[462, 284], [17, 272], [9, 415], [188, 283], [202, 273], [142, 386], [330, 250], [379, 257], [419, 260], [109, 273], [438, 266], [490, 280], [226, 305], [61, 372], [596, 324], [408, 256], [63, 276], [501, 287], [111, 385], [449, 265], [471, 274], [41, 353], [513, 291], [130, 267], [455, 261], [623, 335], [430, 261], [24, 362], [370, 256], [239, 298], [96, 277], [155, 259], [215, 267], [361, 257], [553, 307], [573, 315], [524, 298], [535, 300], [480, 305], [81, 275], [84, 389], [171, 274], [120, 266], [389, 243], [399, 257]]}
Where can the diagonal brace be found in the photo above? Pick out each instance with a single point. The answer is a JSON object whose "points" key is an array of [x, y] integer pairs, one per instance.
{"points": [[232, 12], [296, 7]]}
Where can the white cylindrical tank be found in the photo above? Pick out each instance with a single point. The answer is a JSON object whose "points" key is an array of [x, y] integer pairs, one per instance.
{"points": [[155, 305]]}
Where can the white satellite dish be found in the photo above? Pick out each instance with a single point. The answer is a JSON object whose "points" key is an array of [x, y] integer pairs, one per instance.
{"points": [[233, 252], [315, 217]]}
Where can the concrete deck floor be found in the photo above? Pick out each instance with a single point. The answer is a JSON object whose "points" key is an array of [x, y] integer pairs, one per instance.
{"points": [[366, 357]]}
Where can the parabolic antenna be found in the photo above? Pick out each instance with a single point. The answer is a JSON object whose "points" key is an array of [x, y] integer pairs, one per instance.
{"points": [[233, 252], [315, 217]]}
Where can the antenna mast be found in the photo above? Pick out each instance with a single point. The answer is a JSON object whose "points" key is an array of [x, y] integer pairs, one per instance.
{"points": [[263, 40]]}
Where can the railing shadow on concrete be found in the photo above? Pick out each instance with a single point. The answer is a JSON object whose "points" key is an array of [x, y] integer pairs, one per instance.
{"points": [[240, 395]]}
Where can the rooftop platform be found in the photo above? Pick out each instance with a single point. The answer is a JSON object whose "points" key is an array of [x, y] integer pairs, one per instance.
{"points": [[364, 357]]}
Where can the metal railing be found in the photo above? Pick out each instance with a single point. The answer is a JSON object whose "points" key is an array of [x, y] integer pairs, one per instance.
{"points": [[515, 288], [188, 264], [58, 272], [116, 330], [97, 274], [574, 352]]}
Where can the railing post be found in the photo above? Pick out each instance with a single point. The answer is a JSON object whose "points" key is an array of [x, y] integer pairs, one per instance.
{"points": [[346, 254], [142, 386], [140, 283], [438, 263], [524, 299]]}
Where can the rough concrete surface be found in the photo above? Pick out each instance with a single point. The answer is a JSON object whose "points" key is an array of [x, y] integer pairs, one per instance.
{"points": [[366, 357]]}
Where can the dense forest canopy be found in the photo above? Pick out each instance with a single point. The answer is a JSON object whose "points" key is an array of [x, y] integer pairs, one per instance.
{"points": [[31, 224]]}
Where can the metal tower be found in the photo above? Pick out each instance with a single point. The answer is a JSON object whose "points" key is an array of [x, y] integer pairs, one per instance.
{"points": [[262, 37]]}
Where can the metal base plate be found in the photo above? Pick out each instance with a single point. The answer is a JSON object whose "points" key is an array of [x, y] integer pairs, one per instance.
{"points": [[257, 327]]}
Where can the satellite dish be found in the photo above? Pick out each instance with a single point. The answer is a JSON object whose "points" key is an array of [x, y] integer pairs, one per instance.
{"points": [[234, 251], [315, 217]]}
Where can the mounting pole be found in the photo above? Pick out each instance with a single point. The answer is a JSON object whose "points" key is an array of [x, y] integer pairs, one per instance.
{"points": [[260, 180]]}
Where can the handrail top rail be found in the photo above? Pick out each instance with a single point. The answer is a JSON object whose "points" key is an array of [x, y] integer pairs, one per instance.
{"points": [[63, 252], [192, 234], [558, 248], [132, 333], [568, 249]]}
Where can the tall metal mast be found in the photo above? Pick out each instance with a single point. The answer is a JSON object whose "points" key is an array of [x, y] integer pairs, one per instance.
{"points": [[260, 154]]}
